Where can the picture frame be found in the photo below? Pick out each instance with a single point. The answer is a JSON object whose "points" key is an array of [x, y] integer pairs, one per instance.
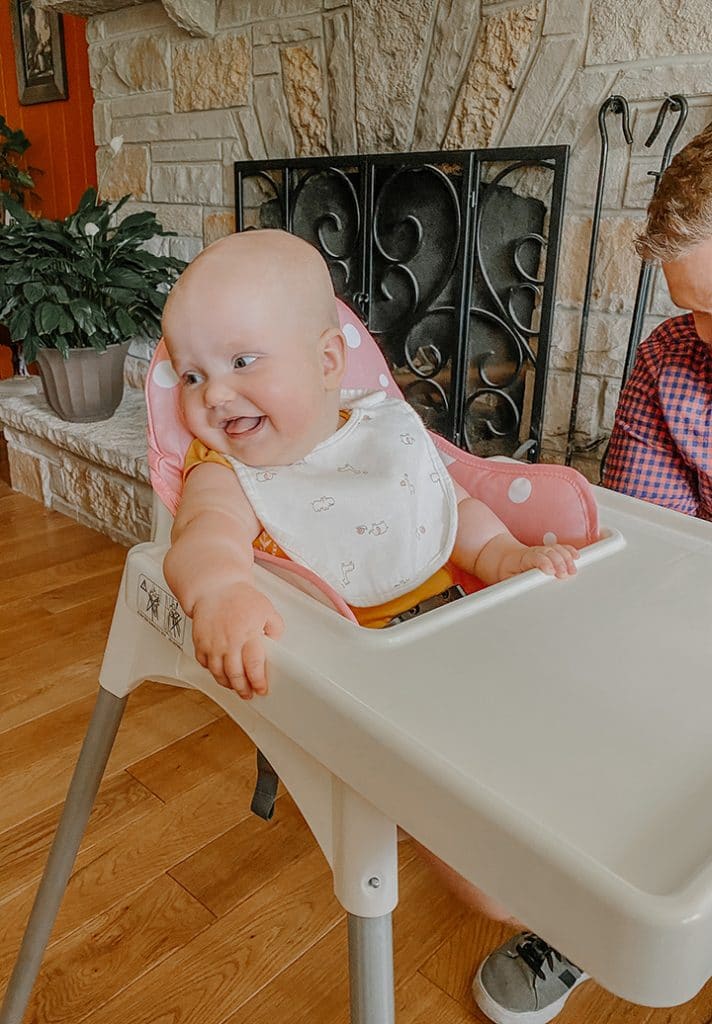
{"points": [[38, 37]]}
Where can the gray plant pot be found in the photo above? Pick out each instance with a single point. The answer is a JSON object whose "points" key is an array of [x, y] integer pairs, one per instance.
{"points": [[85, 387]]}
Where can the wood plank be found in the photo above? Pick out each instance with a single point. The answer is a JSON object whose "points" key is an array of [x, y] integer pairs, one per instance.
{"points": [[216, 747], [35, 697], [114, 867], [596, 1006], [22, 524], [214, 974], [315, 987], [418, 1001], [452, 967], [250, 855], [71, 624], [61, 598], [40, 579], [38, 757], [84, 971], [24, 847], [18, 668], [67, 544]]}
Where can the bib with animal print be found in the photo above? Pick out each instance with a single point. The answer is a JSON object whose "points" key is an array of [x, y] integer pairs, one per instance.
{"points": [[371, 510]]}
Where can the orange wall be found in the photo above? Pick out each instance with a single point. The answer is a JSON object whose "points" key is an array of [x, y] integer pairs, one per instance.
{"points": [[61, 133]]}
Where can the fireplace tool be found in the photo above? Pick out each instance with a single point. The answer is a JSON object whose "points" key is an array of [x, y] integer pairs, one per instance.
{"points": [[670, 103], [616, 105]]}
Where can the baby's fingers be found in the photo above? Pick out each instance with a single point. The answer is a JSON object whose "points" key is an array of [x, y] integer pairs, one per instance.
{"points": [[561, 560], [253, 663], [236, 679], [215, 665], [274, 626]]}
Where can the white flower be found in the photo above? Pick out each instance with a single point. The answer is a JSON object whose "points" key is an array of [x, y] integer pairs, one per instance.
{"points": [[116, 143], [91, 229]]}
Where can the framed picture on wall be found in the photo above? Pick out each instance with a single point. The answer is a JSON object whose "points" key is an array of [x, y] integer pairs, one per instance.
{"points": [[39, 53]]}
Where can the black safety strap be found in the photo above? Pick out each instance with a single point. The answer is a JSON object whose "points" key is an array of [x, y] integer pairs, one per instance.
{"points": [[265, 788]]}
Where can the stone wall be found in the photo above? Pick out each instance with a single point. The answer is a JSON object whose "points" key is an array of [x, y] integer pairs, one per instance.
{"points": [[193, 86]]}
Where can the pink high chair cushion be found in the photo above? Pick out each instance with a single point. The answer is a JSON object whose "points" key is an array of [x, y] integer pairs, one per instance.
{"points": [[540, 504]]}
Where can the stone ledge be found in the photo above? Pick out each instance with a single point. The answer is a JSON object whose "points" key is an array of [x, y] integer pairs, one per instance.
{"points": [[95, 472], [118, 443], [198, 19]]}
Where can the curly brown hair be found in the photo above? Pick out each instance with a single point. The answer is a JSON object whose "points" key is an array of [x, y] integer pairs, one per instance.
{"points": [[680, 212]]}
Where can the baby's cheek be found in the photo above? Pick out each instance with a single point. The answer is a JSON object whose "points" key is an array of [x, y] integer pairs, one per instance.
{"points": [[192, 413]]}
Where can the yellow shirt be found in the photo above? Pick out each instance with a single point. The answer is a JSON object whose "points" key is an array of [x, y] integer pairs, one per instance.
{"points": [[373, 617]]}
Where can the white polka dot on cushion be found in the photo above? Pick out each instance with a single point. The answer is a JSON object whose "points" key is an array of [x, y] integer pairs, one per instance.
{"points": [[353, 338], [519, 490], [164, 375], [383, 381], [550, 538]]}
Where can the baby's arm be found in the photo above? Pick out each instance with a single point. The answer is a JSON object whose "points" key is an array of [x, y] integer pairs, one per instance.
{"points": [[209, 569], [485, 548]]}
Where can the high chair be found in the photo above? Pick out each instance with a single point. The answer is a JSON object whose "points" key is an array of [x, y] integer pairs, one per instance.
{"points": [[549, 740]]}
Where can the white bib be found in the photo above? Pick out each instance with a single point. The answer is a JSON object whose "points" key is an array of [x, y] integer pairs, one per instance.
{"points": [[371, 510]]}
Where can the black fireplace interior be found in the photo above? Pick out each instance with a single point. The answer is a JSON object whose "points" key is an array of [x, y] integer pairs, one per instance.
{"points": [[450, 258]]}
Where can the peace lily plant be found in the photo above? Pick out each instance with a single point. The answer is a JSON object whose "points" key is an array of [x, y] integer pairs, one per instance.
{"points": [[82, 282], [74, 292]]}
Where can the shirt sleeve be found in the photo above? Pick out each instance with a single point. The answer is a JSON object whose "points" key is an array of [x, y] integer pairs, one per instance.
{"points": [[643, 459], [198, 453]]}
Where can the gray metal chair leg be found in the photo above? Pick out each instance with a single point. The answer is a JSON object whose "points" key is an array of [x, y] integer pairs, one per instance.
{"points": [[89, 770], [370, 970]]}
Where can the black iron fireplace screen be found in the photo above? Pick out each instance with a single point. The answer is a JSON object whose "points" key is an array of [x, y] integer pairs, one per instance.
{"points": [[450, 258]]}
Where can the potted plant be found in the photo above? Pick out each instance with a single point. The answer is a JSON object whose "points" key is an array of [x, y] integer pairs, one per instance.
{"points": [[75, 292], [15, 181]]}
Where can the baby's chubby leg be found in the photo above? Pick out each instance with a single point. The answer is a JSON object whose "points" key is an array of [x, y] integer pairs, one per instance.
{"points": [[470, 895]]}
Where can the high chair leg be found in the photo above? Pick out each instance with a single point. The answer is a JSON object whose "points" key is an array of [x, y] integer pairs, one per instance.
{"points": [[89, 770], [370, 969]]}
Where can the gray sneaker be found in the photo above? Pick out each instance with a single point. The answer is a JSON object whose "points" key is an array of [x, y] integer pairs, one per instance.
{"points": [[525, 981]]}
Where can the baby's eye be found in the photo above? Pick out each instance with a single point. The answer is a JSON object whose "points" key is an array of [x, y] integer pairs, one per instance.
{"points": [[190, 377], [240, 362]]}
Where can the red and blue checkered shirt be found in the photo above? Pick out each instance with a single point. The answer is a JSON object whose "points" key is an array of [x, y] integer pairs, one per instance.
{"points": [[661, 445]]}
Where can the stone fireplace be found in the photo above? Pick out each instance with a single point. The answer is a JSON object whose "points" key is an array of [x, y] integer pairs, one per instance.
{"points": [[189, 87]]}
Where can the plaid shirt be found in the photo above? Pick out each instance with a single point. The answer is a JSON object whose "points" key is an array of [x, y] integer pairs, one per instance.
{"points": [[661, 445]]}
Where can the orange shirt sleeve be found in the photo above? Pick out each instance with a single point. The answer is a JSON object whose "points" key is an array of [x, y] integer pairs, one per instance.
{"points": [[198, 453]]}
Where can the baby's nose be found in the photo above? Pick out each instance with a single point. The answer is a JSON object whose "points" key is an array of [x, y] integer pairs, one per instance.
{"points": [[217, 393]]}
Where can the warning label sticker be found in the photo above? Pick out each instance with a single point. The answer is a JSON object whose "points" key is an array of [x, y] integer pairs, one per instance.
{"points": [[160, 608]]}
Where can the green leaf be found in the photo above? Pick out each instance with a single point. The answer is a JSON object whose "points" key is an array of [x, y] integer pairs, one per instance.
{"points": [[58, 292], [20, 324], [30, 346], [66, 323], [33, 292], [16, 211], [17, 274], [126, 279], [47, 317], [126, 324]]}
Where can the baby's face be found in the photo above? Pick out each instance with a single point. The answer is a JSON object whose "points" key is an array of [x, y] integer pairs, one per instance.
{"points": [[257, 392]]}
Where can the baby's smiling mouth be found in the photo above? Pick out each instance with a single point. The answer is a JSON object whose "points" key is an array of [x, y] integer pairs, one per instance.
{"points": [[240, 426]]}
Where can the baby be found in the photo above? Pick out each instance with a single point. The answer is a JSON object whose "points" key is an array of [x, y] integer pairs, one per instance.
{"points": [[348, 484]]}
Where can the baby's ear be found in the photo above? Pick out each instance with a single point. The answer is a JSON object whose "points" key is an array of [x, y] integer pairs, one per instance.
{"points": [[333, 357]]}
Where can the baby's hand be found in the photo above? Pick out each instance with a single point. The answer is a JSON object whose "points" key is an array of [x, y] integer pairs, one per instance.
{"points": [[552, 559], [228, 626]]}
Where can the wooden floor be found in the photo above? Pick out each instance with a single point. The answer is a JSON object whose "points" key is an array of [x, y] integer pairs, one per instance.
{"points": [[183, 907]]}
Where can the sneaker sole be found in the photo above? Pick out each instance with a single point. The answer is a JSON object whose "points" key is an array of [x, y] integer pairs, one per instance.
{"points": [[501, 1015]]}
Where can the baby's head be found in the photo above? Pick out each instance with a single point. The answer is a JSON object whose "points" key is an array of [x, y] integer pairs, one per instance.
{"points": [[253, 334]]}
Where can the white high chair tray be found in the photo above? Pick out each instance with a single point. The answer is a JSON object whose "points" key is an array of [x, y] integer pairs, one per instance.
{"points": [[550, 740]]}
